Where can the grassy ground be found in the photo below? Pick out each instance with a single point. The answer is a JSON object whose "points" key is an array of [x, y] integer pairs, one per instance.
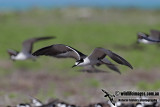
{"points": [[83, 29]]}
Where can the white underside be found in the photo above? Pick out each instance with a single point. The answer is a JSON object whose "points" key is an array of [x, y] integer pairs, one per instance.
{"points": [[36, 103], [23, 106], [88, 62], [145, 41], [61, 105], [23, 56]]}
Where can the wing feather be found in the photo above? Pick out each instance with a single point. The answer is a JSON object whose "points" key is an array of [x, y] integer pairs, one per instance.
{"points": [[59, 51], [100, 53], [154, 34], [28, 44]]}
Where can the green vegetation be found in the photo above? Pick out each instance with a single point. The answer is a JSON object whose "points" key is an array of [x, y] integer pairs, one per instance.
{"points": [[112, 29], [84, 30], [46, 93], [93, 83], [149, 86]]}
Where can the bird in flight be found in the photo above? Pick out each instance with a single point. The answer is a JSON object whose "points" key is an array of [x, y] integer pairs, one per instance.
{"points": [[26, 52], [97, 57], [154, 37]]}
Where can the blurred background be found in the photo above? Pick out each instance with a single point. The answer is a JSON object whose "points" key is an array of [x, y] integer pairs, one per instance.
{"points": [[84, 25]]}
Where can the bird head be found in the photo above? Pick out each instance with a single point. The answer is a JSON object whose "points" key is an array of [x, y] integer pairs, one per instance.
{"points": [[12, 54], [78, 63], [141, 35]]}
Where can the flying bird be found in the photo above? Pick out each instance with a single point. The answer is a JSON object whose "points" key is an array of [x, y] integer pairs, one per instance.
{"points": [[97, 57], [26, 52], [154, 37]]}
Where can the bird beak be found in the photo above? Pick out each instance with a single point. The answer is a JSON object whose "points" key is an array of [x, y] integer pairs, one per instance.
{"points": [[74, 66]]}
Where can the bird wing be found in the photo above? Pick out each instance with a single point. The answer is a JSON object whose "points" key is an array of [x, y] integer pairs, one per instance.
{"points": [[111, 66], [59, 51], [28, 44], [12, 52], [91, 69], [152, 40], [155, 34], [100, 53]]}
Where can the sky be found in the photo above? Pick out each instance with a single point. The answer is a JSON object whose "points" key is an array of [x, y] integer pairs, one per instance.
{"points": [[25, 4]]}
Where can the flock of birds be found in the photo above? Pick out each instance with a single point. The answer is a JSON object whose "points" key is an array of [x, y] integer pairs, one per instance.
{"points": [[96, 58], [59, 103]]}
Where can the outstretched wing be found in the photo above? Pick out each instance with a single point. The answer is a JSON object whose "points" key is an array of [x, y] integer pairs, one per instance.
{"points": [[28, 44], [100, 53], [59, 51], [111, 66], [155, 34], [152, 40]]}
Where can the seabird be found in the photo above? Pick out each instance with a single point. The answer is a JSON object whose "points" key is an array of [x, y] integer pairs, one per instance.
{"points": [[35, 102], [97, 57], [154, 37], [26, 52], [99, 104], [23, 105]]}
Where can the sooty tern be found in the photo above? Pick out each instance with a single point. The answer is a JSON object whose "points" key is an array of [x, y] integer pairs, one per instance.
{"points": [[23, 105], [54, 103], [154, 37], [35, 102], [26, 52], [97, 57]]}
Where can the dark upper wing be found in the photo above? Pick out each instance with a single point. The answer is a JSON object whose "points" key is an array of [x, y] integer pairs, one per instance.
{"points": [[155, 34], [28, 44], [114, 68], [60, 51], [110, 65], [152, 40], [100, 53], [12, 52], [97, 54]]}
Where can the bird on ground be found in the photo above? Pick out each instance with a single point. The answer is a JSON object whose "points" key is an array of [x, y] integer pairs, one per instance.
{"points": [[23, 105], [153, 38], [35, 102], [54, 103], [99, 104], [97, 57], [27, 47]]}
